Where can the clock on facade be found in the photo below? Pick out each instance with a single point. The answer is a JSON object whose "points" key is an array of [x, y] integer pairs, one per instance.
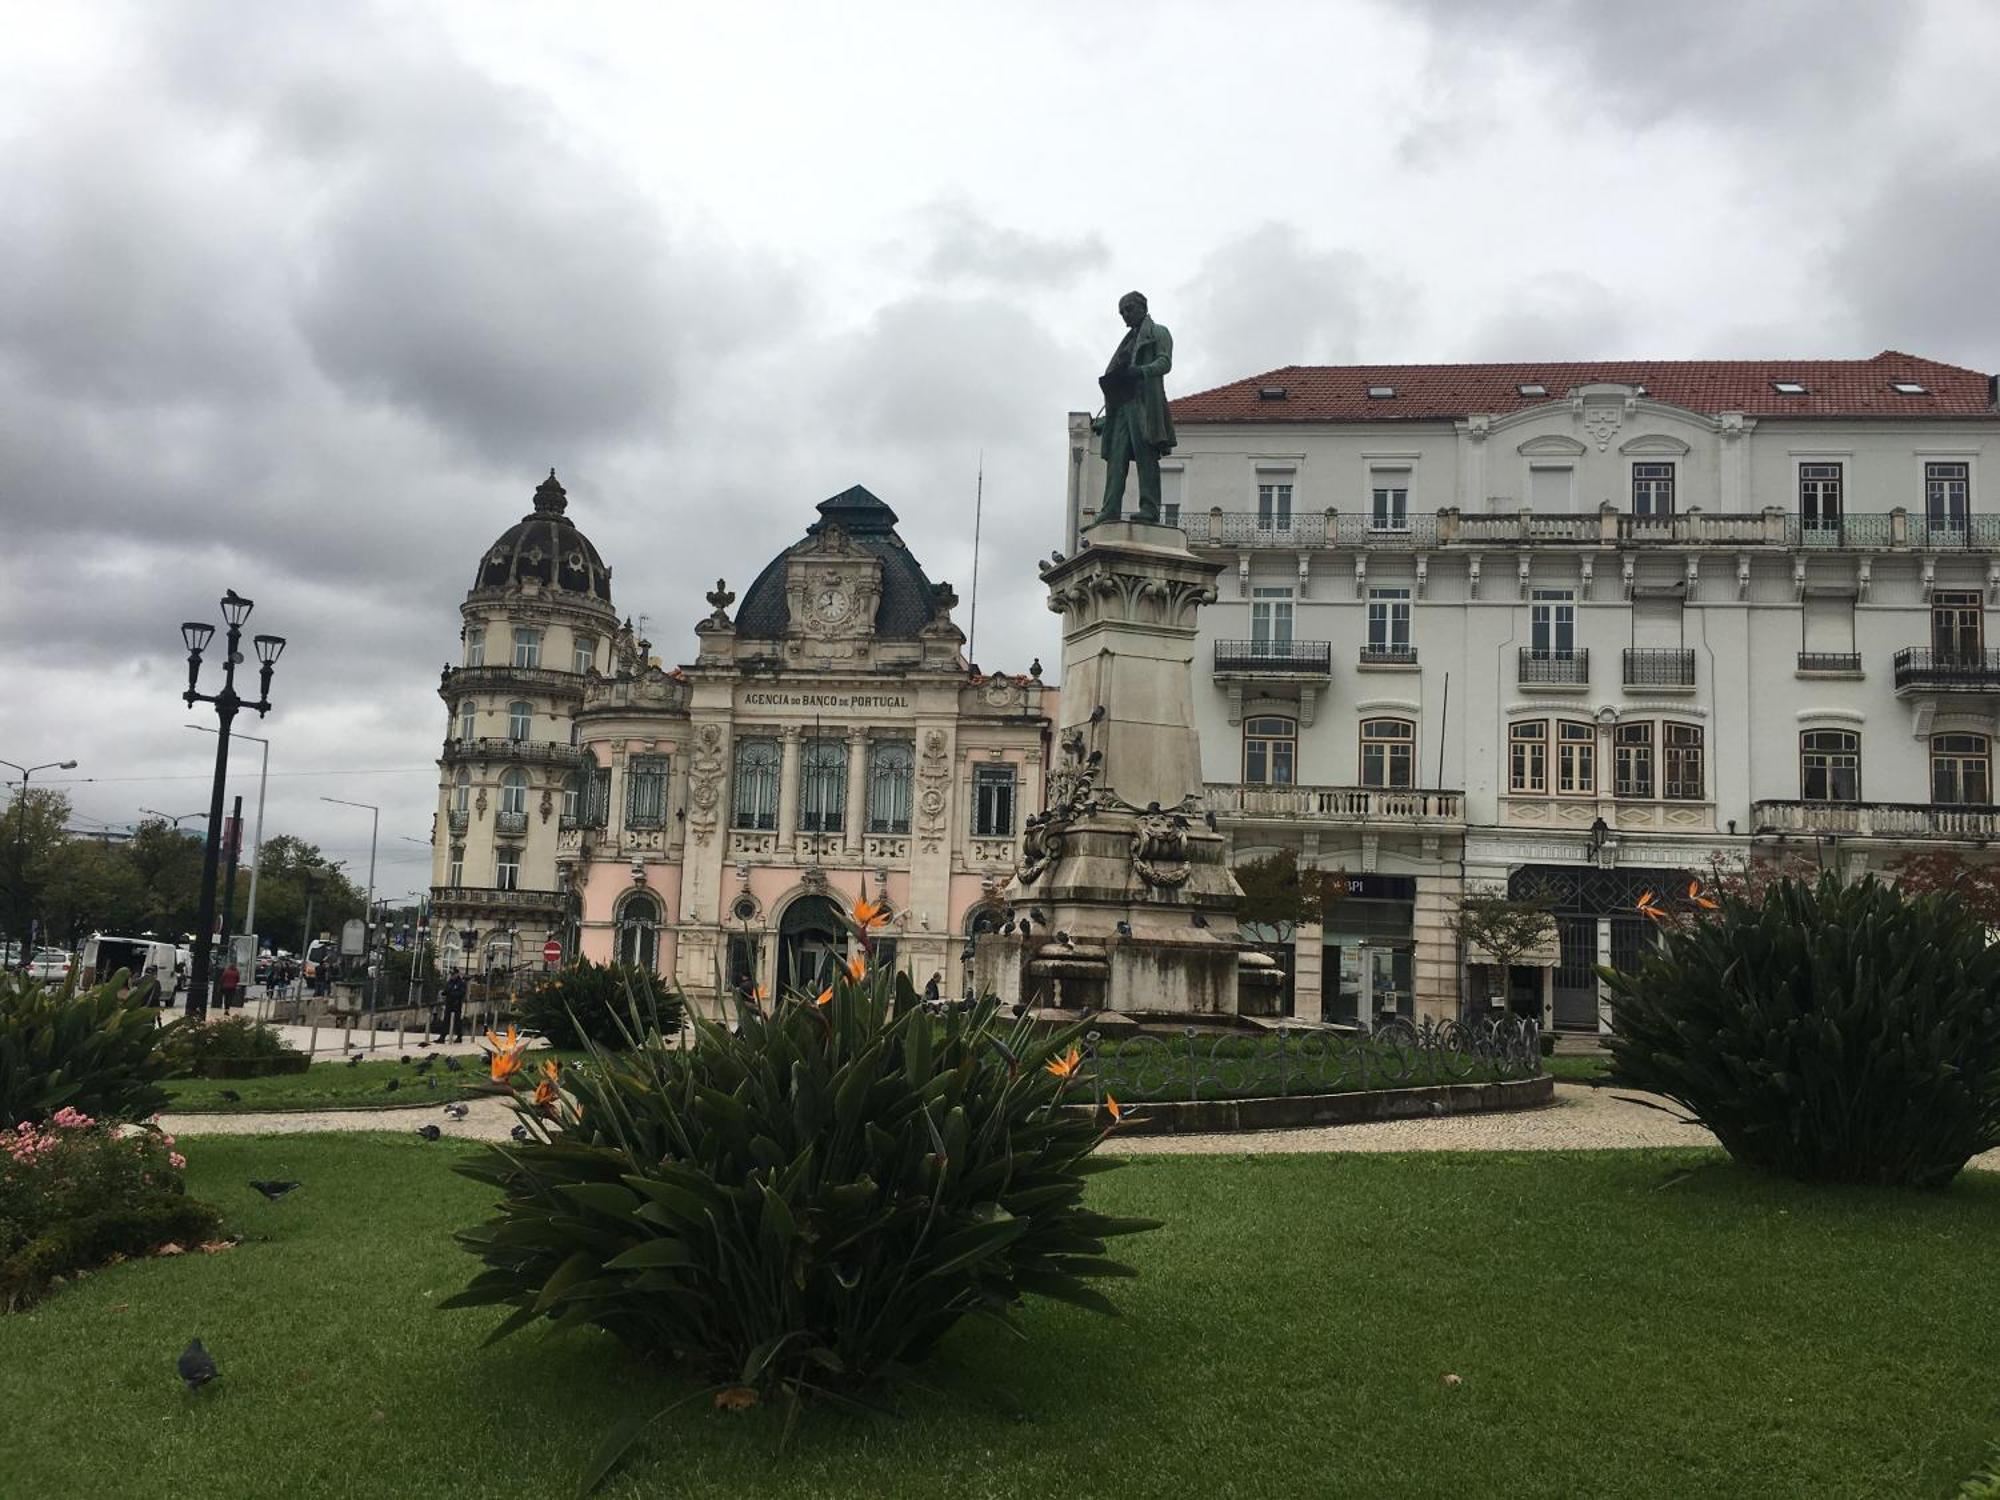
{"points": [[832, 605]]}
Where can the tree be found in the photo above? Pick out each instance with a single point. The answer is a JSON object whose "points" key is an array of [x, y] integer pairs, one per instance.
{"points": [[29, 836], [1504, 928], [1974, 883], [288, 863], [92, 887], [1276, 894], [168, 863]]}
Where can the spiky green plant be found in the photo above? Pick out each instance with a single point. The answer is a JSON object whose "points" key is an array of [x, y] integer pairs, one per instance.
{"points": [[804, 1204], [1832, 1032], [86, 1048], [590, 1002]]}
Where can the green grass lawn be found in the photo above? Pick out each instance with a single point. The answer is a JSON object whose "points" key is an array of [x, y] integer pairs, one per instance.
{"points": [[1588, 1067], [1166, 1065], [1621, 1328], [335, 1085]]}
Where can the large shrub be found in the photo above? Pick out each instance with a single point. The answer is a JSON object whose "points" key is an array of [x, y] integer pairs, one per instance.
{"points": [[1831, 1032], [87, 1049], [234, 1048], [590, 1002], [806, 1205], [75, 1192]]}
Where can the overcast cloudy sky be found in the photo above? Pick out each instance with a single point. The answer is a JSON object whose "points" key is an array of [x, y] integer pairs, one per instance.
{"points": [[304, 300]]}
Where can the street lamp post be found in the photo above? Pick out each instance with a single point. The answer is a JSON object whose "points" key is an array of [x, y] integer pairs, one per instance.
{"points": [[21, 915], [256, 835], [197, 634], [175, 819]]}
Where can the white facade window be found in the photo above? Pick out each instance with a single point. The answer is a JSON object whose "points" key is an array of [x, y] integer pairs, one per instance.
{"points": [[527, 647], [1830, 765], [1632, 761], [1958, 624], [822, 786], [461, 791], [1551, 488], [520, 720], [1652, 489], [507, 867], [1274, 502], [1681, 754], [1961, 769], [454, 870], [1389, 500], [993, 802], [475, 646], [1820, 498], [1947, 496], [1576, 759], [1173, 486], [583, 653], [892, 768], [468, 719], [646, 791], [1270, 750], [1528, 758], [1388, 752], [514, 791], [1271, 617], [755, 803], [1389, 621], [1552, 625], [576, 786]]}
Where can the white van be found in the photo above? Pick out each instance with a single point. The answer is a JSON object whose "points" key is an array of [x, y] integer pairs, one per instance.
{"points": [[104, 955]]}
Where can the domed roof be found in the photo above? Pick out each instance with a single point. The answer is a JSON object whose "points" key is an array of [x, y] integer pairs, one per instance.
{"points": [[909, 599], [545, 546]]}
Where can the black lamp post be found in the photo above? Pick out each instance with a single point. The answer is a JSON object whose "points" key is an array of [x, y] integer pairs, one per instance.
{"points": [[235, 610], [22, 919]]}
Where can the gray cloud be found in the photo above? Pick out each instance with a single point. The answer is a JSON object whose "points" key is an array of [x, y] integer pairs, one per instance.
{"points": [[964, 243], [1555, 315], [1268, 298]]}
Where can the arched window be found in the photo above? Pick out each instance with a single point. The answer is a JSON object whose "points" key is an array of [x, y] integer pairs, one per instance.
{"points": [[639, 931], [461, 791], [1962, 769], [823, 786], [1270, 751], [520, 720], [1830, 765], [1388, 752], [514, 791], [891, 765], [755, 804], [468, 719]]}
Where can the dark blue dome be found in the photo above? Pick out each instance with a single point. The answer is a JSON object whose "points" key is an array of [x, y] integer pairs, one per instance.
{"points": [[545, 546], [909, 599]]}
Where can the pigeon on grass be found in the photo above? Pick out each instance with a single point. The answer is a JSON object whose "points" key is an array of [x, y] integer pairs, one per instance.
{"points": [[272, 1191], [196, 1365], [429, 1132]]}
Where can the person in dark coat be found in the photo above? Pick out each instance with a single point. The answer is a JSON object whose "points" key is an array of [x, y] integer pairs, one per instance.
{"points": [[931, 988], [451, 1016]]}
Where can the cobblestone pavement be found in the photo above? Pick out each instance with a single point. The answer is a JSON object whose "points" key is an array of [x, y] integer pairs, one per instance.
{"points": [[1581, 1119]]}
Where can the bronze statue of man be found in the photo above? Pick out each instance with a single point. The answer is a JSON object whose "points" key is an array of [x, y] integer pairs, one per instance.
{"points": [[1136, 426]]}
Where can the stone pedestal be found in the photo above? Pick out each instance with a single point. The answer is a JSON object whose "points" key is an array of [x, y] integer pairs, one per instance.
{"points": [[1127, 892]]}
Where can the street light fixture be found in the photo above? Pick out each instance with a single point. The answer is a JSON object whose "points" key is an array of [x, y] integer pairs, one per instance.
{"points": [[197, 634], [175, 818], [22, 917]]}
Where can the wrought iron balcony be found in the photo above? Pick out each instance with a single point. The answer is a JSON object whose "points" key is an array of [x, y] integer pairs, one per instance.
{"points": [[1275, 658], [1335, 804], [1250, 528], [1935, 820], [1554, 668], [1388, 656], [527, 752], [461, 896], [1831, 663], [500, 678], [1922, 669], [457, 819], [1659, 666], [514, 823]]}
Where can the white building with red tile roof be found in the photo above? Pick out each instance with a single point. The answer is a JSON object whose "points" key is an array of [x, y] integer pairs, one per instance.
{"points": [[1585, 629]]}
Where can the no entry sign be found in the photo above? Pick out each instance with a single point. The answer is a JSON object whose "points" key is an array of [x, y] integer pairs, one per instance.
{"points": [[552, 952]]}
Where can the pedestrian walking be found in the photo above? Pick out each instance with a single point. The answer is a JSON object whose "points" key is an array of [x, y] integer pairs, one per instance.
{"points": [[232, 987], [931, 988], [451, 1017]]}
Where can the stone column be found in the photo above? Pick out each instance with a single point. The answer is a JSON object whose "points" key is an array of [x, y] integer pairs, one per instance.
{"points": [[1308, 959], [857, 790], [788, 790], [1434, 981], [1603, 962]]}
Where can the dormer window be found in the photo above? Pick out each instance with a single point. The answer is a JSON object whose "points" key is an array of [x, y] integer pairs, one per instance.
{"points": [[1381, 392], [1788, 387], [1908, 388], [1532, 388], [1271, 393]]}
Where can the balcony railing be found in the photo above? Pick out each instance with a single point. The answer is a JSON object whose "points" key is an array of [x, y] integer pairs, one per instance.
{"points": [[500, 678], [1388, 656], [1277, 658], [1973, 671], [1250, 528], [1659, 666], [457, 819], [530, 752], [493, 895], [1554, 668], [510, 822], [1335, 804], [1843, 663], [1878, 819]]}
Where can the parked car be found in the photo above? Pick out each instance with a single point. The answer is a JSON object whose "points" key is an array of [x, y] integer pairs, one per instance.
{"points": [[104, 955], [51, 964]]}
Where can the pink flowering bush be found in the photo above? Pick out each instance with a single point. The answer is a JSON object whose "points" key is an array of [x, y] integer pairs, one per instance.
{"points": [[76, 1192]]}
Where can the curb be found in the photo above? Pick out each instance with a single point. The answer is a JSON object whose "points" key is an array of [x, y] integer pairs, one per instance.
{"points": [[1294, 1111]]}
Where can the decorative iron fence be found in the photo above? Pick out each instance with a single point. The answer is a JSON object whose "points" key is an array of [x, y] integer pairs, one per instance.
{"points": [[1659, 666], [1314, 658], [1565, 667], [1194, 1064]]}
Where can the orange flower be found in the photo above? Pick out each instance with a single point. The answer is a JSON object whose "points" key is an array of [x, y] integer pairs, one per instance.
{"points": [[552, 1069], [1111, 1108], [825, 996], [870, 914], [1648, 907], [512, 1043], [505, 1065], [735, 1398], [1700, 898], [545, 1092], [760, 994], [1065, 1067], [857, 966]]}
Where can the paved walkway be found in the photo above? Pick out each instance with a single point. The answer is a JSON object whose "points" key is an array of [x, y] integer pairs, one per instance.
{"points": [[1581, 1119]]}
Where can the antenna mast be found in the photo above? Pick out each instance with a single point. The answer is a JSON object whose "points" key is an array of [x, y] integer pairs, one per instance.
{"points": [[978, 509]]}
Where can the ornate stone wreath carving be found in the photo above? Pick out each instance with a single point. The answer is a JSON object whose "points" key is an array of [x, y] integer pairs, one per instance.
{"points": [[705, 782]]}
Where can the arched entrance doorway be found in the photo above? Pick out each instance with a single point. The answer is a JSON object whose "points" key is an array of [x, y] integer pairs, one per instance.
{"points": [[811, 941]]}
